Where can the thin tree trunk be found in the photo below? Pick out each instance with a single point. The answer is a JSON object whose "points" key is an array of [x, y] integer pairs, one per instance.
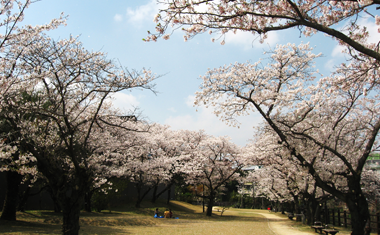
{"points": [[23, 199], [154, 197], [211, 199], [242, 204], [57, 205], [140, 195], [11, 196], [308, 212], [168, 187], [296, 208], [168, 199], [87, 201], [317, 213]]}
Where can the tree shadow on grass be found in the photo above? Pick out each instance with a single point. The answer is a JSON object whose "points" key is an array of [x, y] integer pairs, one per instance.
{"points": [[119, 222], [24, 227]]}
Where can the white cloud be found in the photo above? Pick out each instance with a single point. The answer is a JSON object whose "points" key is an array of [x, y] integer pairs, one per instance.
{"points": [[337, 56], [329, 65], [118, 18], [172, 109], [142, 13], [374, 35], [205, 119], [190, 100], [249, 41], [125, 102], [338, 51]]}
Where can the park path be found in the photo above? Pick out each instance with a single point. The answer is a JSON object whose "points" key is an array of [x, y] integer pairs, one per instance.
{"points": [[280, 225]]}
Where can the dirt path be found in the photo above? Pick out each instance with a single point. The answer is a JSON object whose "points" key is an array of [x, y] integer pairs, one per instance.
{"points": [[280, 226]]}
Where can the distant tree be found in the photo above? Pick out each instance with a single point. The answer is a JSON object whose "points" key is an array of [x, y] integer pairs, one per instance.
{"points": [[151, 160], [214, 163]]}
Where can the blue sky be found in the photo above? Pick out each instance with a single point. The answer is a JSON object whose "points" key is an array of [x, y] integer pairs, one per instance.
{"points": [[117, 27]]}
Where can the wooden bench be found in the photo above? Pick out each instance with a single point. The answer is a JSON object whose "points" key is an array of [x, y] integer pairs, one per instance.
{"points": [[299, 217], [317, 226], [291, 215], [330, 230]]}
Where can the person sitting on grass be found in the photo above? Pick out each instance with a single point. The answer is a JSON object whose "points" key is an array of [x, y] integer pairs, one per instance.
{"points": [[156, 213], [170, 213], [167, 213]]}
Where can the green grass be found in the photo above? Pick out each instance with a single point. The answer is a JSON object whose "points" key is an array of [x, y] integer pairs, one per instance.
{"points": [[129, 220]]}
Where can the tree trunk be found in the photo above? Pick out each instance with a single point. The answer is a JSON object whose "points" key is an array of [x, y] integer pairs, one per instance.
{"points": [[292, 206], [308, 212], [358, 206], [154, 196], [11, 197], [317, 212], [242, 204], [168, 199], [140, 195], [69, 194], [211, 199], [57, 205], [72, 200], [297, 208], [71, 211], [23, 199], [312, 210], [87, 201], [167, 188]]}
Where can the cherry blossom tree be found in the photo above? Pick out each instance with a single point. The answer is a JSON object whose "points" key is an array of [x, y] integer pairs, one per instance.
{"points": [[215, 162], [146, 155], [143, 167], [15, 40], [166, 148], [66, 88], [15, 163], [153, 159], [112, 139], [18, 167], [337, 19], [328, 130], [260, 17], [371, 187], [278, 178]]}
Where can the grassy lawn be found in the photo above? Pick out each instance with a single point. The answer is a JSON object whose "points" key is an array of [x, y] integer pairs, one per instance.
{"points": [[129, 220]]}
